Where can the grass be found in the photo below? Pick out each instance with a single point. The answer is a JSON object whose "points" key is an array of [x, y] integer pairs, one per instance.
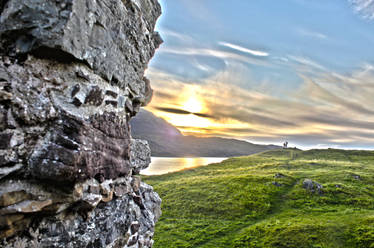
{"points": [[236, 204]]}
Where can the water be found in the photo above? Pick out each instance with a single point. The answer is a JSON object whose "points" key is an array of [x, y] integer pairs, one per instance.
{"points": [[162, 165]]}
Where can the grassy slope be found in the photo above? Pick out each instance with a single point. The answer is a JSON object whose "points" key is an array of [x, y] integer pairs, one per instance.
{"points": [[235, 204]]}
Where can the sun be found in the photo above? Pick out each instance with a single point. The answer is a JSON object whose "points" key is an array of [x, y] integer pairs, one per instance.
{"points": [[191, 101], [193, 104]]}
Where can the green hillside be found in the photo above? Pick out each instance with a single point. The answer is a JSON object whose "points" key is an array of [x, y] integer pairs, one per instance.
{"points": [[260, 201]]}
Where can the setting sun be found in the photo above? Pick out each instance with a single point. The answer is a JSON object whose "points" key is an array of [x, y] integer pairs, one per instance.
{"points": [[193, 104]]}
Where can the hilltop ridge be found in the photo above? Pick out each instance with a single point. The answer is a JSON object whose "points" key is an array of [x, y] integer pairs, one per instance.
{"points": [[166, 140]]}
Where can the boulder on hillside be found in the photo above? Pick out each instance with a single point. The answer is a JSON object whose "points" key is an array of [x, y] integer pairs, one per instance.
{"points": [[312, 186], [279, 175]]}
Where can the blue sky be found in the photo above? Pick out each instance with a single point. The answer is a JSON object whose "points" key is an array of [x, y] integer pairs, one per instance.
{"points": [[268, 71]]}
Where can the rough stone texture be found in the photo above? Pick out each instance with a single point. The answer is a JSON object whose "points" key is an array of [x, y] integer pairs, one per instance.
{"points": [[279, 175], [71, 77], [140, 154], [357, 177], [111, 214], [312, 186], [277, 184], [114, 37]]}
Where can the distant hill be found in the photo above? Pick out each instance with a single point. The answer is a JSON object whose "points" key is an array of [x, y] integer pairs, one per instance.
{"points": [[166, 140]]}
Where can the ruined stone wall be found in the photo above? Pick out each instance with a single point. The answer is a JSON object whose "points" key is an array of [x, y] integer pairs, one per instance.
{"points": [[71, 77]]}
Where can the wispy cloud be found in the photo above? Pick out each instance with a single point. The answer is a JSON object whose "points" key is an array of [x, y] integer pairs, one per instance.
{"points": [[224, 55], [312, 34], [364, 7], [201, 66], [244, 50], [168, 33], [183, 112], [306, 62], [319, 113]]}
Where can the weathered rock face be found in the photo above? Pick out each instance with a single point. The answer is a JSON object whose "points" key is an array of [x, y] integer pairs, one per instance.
{"points": [[71, 77]]}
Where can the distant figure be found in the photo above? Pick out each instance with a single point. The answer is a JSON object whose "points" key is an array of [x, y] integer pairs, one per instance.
{"points": [[285, 144]]}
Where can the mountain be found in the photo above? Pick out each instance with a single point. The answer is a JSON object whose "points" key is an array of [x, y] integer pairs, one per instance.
{"points": [[166, 140]]}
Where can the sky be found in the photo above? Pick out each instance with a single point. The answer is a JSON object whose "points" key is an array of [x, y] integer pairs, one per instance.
{"points": [[267, 71]]}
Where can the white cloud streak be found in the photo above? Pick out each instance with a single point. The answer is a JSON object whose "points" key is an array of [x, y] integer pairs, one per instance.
{"points": [[213, 53], [304, 61], [312, 34], [170, 33], [245, 50]]}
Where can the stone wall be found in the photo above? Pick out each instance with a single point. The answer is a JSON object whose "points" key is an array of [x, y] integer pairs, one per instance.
{"points": [[71, 77]]}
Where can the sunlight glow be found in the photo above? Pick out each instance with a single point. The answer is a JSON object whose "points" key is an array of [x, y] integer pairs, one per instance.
{"points": [[198, 99], [193, 105], [190, 121], [191, 101]]}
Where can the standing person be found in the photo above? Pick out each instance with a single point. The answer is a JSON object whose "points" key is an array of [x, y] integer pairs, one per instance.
{"points": [[285, 144]]}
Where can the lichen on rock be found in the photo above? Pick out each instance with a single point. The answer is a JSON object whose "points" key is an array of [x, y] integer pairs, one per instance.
{"points": [[71, 77]]}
